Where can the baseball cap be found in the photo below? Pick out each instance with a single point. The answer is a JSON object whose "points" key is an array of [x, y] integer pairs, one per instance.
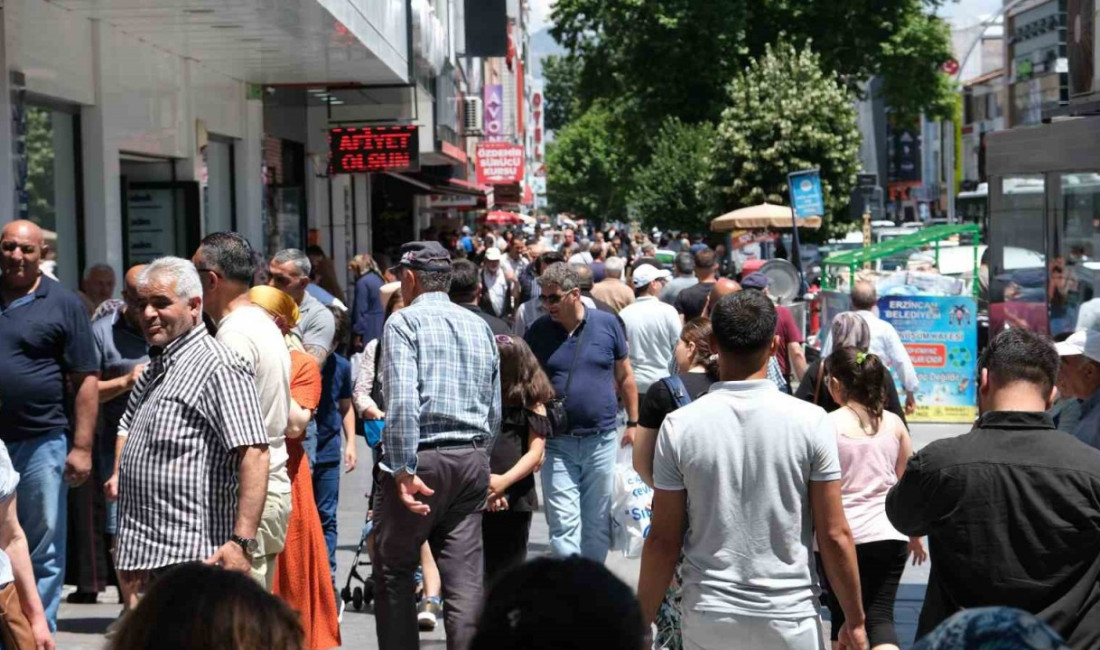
{"points": [[647, 273], [755, 281], [424, 256], [492, 254], [1084, 342]]}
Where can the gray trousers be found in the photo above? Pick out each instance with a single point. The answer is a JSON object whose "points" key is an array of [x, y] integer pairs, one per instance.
{"points": [[460, 478]]}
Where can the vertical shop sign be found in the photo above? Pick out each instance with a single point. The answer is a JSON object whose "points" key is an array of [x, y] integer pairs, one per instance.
{"points": [[494, 111]]}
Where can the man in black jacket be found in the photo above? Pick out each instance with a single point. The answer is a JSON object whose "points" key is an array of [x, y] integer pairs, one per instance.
{"points": [[1011, 509]]}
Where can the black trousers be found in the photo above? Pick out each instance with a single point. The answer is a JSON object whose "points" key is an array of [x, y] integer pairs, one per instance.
{"points": [[460, 478], [880, 567], [504, 535]]}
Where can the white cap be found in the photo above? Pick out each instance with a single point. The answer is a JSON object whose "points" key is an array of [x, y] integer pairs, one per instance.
{"points": [[492, 254], [646, 273], [1083, 342]]}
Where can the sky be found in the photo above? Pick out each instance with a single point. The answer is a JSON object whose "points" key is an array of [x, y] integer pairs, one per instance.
{"points": [[962, 12]]}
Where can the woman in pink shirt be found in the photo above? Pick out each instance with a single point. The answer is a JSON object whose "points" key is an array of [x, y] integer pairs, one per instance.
{"points": [[874, 446]]}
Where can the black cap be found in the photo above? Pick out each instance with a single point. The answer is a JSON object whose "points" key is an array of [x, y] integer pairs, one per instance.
{"points": [[424, 256]]}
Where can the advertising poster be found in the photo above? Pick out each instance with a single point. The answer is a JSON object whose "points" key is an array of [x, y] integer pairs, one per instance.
{"points": [[499, 163], [941, 335], [151, 231], [806, 197]]}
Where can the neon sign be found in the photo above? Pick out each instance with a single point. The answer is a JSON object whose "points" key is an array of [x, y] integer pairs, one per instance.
{"points": [[360, 150]]}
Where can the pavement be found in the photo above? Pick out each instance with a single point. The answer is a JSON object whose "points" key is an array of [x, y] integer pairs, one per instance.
{"points": [[81, 627]]}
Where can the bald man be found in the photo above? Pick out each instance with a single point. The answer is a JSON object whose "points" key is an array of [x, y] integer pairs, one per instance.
{"points": [[123, 354], [49, 352], [724, 287]]}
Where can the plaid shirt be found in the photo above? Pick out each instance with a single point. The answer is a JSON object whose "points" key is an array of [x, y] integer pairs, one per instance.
{"points": [[440, 379], [192, 407], [776, 375]]}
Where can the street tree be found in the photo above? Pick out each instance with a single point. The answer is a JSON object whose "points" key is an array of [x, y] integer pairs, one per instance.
{"points": [[586, 165], [784, 114], [669, 191], [674, 57]]}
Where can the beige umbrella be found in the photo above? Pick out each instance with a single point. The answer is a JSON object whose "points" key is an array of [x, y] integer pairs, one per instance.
{"points": [[765, 215]]}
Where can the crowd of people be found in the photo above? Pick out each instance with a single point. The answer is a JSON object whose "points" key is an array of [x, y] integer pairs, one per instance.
{"points": [[205, 418]]}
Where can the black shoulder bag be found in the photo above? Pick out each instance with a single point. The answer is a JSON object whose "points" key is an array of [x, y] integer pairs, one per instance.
{"points": [[555, 408]]}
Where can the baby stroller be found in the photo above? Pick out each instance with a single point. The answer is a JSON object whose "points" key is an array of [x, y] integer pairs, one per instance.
{"points": [[360, 596]]}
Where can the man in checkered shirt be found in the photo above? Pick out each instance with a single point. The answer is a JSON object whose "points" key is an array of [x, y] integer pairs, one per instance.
{"points": [[441, 383], [193, 471]]}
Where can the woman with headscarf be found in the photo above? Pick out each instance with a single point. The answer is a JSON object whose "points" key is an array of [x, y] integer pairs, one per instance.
{"points": [[849, 330], [368, 310], [303, 577]]}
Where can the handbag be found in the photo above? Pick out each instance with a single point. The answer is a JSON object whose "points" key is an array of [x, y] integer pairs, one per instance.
{"points": [[555, 408], [15, 629]]}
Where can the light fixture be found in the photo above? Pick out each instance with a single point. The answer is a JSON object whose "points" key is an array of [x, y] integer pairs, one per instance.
{"points": [[198, 11], [224, 26]]}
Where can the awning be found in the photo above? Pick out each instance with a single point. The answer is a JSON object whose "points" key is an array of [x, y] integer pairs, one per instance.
{"points": [[765, 215]]}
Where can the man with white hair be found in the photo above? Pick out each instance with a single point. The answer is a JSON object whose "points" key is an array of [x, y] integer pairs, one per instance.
{"points": [[289, 271], [193, 471], [611, 289], [1079, 375]]}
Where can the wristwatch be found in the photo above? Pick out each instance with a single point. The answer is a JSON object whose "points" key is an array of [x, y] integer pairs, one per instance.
{"points": [[631, 423], [248, 544]]}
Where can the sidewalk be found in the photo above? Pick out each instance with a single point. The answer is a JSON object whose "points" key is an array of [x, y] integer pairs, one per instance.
{"points": [[81, 626]]}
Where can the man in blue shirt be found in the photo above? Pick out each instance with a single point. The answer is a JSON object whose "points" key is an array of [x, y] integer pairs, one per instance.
{"points": [[335, 423], [585, 355], [441, 382], [47, 345]]}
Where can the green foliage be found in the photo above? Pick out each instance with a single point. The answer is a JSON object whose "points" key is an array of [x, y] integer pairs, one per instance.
{"points": [[40, 167], [674, 57], [560, 74], [585, 165], [669, 191], [910, 66], [785, 114]]}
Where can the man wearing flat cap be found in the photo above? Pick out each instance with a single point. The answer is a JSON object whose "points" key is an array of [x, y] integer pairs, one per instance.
{"points": [[441, 381]]}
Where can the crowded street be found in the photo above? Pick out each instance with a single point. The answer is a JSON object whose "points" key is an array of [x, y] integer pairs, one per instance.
{"points": [[81, 627], [544, 324]]}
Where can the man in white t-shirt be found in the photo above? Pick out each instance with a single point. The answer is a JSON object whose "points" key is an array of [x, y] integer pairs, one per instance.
{"points": [[652, 327], [224, 263], [755, 471]]}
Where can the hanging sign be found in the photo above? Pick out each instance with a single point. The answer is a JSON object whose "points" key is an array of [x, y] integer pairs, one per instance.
{"points": [[357, 150], [499, 163]]}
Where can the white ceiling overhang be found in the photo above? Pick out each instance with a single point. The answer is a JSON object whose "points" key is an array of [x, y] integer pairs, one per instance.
{"points": [[270, 41]]}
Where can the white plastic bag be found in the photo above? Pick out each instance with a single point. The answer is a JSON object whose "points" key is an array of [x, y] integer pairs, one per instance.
{"points": [[631, 500]]}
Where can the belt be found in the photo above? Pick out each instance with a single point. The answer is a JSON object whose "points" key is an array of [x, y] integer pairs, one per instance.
{"points": [[473, 443]]}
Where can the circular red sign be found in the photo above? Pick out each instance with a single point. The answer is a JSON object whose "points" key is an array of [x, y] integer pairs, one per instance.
{"points": [[951, 66]]}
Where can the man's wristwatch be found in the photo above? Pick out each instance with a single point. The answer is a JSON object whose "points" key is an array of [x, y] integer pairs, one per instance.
{"points": [[248, 544], [631, 423]]}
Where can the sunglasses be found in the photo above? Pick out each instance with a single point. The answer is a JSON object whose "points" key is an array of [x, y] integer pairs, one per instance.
{"points": [[552, 299]]}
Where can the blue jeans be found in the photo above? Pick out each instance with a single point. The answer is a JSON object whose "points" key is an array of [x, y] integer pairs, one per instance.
{"points": [[42, 510], [576, 484], [326, 494]]}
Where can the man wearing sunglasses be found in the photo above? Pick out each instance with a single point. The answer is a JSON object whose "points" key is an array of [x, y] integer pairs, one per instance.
{"points": [[584, 352]]}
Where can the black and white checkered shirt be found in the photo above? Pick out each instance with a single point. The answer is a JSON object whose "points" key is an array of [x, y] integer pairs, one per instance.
{"points": [[179, 475]]}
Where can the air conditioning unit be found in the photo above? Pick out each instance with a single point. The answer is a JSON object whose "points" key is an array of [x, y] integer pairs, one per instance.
{"points": [[1084, 83], [473, 115]]}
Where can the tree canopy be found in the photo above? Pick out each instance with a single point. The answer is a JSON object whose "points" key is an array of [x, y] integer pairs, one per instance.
{"points": [[785, 114], [670, 191]]}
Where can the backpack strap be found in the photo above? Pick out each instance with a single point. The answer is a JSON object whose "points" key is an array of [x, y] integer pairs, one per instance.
{"points": [[678, 391]]}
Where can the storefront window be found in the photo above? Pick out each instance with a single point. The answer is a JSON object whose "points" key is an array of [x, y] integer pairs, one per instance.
{"points": [[284, 195], [48, 189], [217, 185]]}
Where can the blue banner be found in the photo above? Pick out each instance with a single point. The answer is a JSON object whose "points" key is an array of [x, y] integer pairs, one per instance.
{"points": [[941, 335], [806, 197]]}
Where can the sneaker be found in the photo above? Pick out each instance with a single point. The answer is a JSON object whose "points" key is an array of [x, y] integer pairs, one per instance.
{"points": [[427, 615]]}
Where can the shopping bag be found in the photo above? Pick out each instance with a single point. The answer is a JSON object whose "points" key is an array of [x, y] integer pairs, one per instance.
{"points": [[631, 501]]}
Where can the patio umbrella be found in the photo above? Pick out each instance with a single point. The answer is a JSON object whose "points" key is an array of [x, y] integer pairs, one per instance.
{"points": [[503, 218], [765, 215]]}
